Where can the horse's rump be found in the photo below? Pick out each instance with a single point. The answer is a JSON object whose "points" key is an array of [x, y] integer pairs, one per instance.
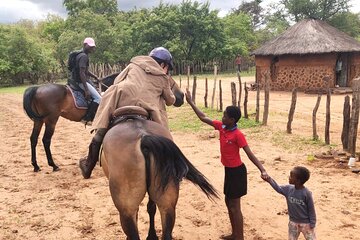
{"points": [[27, 102]]}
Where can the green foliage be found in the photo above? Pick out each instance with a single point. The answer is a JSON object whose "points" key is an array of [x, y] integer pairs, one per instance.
{"points": [[200, 32], [319, 9], [23, 55], [74, 7], [347, 22], [254, 10], [239, 34]]}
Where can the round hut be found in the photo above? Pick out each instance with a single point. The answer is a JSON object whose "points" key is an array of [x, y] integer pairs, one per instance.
{"points": [[310, 55]]}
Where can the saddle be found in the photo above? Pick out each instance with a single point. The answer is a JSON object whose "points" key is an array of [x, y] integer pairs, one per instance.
{"points": [[78, 96], [125, 113]]}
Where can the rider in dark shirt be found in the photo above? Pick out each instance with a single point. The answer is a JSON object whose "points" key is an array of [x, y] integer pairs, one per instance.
{"points": [[81, 75]]}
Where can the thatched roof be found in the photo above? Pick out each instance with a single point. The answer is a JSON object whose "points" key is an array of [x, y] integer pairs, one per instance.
{"points": [[309, 36]]}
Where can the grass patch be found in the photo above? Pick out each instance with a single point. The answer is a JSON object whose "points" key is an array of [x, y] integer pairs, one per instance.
{"points": [[184, 119], [16, 90], [296, 142]]}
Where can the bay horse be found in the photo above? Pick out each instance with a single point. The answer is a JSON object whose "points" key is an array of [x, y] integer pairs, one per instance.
{"points": [[44, 105], [139, 157]]}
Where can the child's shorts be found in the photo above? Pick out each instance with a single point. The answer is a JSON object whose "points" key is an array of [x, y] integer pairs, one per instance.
{"points": [[296, 228], [235, 183]]}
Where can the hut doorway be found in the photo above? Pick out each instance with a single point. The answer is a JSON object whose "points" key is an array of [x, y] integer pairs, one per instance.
{"points": [[341, 69]]}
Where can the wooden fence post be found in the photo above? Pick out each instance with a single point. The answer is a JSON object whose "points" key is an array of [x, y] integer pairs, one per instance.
{"points": [[233, 93], [220, 96], [214, 88], [327, 120], [188, 76], [240, 89], [346, 124], [206, 92], [245, 101], [194, 90], [315, 135], [354, 116], [257, 102], [292, 110], [266, 99]]}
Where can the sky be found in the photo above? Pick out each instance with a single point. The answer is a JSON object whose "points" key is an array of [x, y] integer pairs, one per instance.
{"points": [[12, 11]]}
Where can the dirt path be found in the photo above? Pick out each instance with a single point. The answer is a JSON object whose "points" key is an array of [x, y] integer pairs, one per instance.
{"points": [[62, 205]]}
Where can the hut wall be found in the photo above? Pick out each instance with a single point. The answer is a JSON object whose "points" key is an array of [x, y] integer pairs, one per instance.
{"points": [[307, 72], [354, 67]]}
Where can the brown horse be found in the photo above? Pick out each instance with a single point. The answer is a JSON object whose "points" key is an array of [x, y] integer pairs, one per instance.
{"points": [[139, 157], [44, 105]]}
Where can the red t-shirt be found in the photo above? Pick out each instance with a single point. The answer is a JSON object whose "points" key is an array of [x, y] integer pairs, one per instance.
{"points": [[230, 143]]}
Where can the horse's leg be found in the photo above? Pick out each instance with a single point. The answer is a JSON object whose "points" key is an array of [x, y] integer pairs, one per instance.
{"points": [[167, 221], [166, 202], [128, 210], [33, 141], [151, 208], [49, 132], [128, 224]]}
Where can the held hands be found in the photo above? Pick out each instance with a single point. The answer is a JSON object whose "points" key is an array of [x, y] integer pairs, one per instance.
{"points": [[265, 176]]}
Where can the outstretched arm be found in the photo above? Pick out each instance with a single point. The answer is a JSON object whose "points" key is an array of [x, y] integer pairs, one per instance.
{"points": [[256, 162], [198, 112]]}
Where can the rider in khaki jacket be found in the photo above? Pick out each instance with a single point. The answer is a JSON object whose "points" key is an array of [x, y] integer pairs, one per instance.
{"points": [[145, 83]]}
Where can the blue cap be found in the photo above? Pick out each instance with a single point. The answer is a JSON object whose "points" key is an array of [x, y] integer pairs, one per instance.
{"points": [[163, 54]]}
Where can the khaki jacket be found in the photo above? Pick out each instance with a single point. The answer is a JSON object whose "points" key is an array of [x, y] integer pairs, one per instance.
{"points": [[142, 83]]}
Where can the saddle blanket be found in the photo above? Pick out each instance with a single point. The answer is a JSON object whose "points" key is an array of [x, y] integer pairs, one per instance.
{"points": [[79, 98]]}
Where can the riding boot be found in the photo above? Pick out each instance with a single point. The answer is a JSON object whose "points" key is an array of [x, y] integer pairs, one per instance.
{"points": [[87, 164], [90, 114]]}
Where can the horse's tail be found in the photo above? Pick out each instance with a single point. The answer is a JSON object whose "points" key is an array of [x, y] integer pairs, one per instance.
{"points": [[27, 100], [170, 162]]}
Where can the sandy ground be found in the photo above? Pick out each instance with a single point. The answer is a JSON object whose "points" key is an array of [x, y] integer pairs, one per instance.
{"points": [[62, 205]]}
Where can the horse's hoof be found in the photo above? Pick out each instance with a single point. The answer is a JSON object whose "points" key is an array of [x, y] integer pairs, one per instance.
{"points": [[37, 169], [56, 168]]}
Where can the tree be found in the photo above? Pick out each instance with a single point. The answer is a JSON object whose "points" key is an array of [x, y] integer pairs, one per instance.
{"points": [[239, 34], [319, 9], [200, 32], [254, 10], [74, 7], [347, 22]]}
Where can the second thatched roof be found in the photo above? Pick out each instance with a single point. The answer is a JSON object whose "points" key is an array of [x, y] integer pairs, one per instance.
{"points": [[309, 36]]}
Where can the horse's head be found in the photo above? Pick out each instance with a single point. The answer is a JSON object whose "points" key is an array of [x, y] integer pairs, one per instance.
{"points": [[179, 95]]}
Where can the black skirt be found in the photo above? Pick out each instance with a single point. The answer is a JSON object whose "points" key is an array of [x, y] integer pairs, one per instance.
{"points": [[235, 183]]}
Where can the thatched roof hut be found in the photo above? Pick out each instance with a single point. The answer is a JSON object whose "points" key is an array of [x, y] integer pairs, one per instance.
{"points": [[305, 54]]}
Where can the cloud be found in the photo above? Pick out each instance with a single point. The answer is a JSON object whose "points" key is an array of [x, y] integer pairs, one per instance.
{"points": [[15, 10]]}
